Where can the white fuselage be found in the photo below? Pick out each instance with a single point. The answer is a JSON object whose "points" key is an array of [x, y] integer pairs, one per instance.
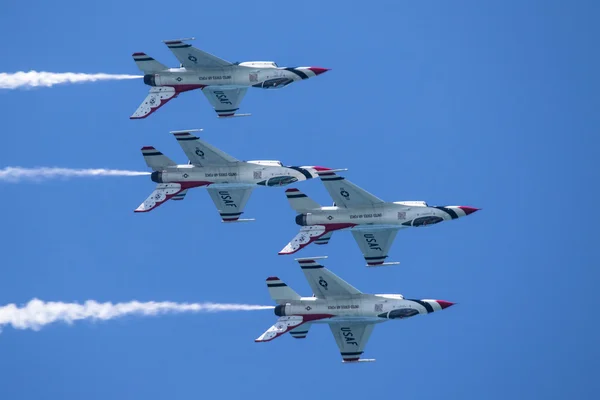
{"points": [[401, 214], [228, 77], [376, 308], [245, 173]]}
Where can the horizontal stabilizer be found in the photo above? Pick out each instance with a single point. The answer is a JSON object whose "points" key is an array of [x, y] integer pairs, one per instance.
{"points": [[157, 97], [359, 360], [283, 325], [147, 64], [306, 236], [162, 193]]}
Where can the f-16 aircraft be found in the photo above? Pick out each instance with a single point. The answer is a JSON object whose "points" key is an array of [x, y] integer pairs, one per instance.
{"points": [[351, 314], [373, 222], [229, 180], [223, 83]]}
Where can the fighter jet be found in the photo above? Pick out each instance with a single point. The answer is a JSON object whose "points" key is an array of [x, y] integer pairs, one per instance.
{"points": [[223, 83], [373, 222], [229, 180], [351, 314]]}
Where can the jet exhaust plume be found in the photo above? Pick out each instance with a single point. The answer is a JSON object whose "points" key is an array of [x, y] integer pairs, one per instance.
{"points": [[37, 313], [32, 79], [17, 174]]}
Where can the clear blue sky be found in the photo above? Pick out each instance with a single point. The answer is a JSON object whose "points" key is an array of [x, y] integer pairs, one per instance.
{"points": [[460, 103]]}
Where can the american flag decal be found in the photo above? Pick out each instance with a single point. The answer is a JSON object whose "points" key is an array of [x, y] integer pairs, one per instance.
{"points": [[257, 174], [253, 77], [401, 215]]}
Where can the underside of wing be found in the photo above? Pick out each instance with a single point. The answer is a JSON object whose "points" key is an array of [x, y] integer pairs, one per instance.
{"points": [[346, 194], [201, 153], [230, 201], [324, 283], [225, 101], [193, 58], [375, 244], [351, 338]]}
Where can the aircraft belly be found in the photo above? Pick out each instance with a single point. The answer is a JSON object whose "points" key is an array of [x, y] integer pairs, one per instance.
{"points": [[178, 79], [348, 307], [223, 175]]}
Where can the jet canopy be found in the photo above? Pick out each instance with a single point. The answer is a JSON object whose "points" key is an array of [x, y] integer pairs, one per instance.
{"points": [[267, 163], [259, 64]]}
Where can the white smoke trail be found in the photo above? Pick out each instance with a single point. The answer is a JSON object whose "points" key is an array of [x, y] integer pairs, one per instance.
{"points": [[37, 313], [31, 79], [17, 174]]}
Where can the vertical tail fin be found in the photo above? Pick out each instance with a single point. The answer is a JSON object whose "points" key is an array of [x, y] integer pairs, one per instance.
{"points": [[156, 160], [147, 64], [299, 201], [279, 291]]}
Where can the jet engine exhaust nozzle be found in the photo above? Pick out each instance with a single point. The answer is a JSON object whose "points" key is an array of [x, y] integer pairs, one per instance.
{"points": [[150, 80], [156, 177], [280, 310], [301, 219]]}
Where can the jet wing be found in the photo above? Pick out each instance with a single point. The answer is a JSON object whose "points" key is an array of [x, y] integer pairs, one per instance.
{"points": [[193, 58], [346, 194], [352, 338], [157, 97], [230, 200], [324, 283], [199, 152], [375, 244], [225, 101]]}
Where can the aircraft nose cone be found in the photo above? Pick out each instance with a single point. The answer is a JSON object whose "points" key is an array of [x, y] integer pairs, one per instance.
{"points": [[444, 304], [469, 210], [318, 70]]}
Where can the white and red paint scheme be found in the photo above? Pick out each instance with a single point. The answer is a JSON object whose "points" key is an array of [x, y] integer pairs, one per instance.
{"points": [[223, 83], [229, 181], [373, 222], [351, 314]]}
